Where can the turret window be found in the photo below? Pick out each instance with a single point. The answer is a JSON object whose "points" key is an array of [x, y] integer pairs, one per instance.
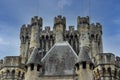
{"points": [[13, 74], [19, 73], [91, 66], [32, 67], [84, 65], [38, 67], [77, 66], [23, 75]]}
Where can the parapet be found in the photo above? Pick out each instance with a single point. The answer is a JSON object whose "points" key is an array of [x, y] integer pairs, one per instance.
{"points": [[11, 61], [96, 27], [106, 58], [60, 20], [83, 20], [35, 20]]}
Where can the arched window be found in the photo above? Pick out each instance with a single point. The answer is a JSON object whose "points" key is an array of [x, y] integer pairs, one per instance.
{"points": [[38, 67], [19, 73], [119, 73], [32, 67], [71, 36], [77, 66], [47, 37], [7, 73], [51, 36], [92, 36], [13, 71], [84, 65], [13, 74], [115, 73], [23, 75], [91, 66], [76, 36], [103, 69], [42, 36], [109, 70]]}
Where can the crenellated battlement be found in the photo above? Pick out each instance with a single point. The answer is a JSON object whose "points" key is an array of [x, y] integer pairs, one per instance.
{"points": [[107, 58], [59, 20], [25, 33], [107, 66], [95, 28], [10, 61], [35, 20], [83, 20]]}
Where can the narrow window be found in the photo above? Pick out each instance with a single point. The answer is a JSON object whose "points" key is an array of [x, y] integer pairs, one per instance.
{"points": [[19, 73], [38, 67], [32, 67], [84, 65]]}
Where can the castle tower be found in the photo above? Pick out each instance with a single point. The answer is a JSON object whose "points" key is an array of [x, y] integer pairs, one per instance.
{"points": [[83, 29], [96, 39], [59, 28], [84, 66], [107, 67], [25, 41], [34, 66], [11, 69], [90, 35], [35, 31]]}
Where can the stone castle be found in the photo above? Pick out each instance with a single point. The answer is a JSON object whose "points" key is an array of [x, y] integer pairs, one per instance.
{"points": [[61, 54]]}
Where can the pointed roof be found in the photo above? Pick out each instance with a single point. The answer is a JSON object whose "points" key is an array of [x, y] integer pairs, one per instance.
{"points": [[35, 57], [60, 48], [60, 59], [83, 55]]}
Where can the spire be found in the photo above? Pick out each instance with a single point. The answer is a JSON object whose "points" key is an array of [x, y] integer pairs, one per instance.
{"points": [[35, 57]]}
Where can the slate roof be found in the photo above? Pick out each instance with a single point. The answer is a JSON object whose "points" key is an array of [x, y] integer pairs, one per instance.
{"points": [[60, 59], [61, 48], [35, 57]]}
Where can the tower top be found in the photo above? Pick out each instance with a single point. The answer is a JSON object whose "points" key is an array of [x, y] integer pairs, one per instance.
{"points": [[35, 20], [60, 20], [83, 20]]}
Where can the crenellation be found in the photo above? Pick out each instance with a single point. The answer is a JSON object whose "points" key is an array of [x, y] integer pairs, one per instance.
{"points": [[11, 61], [105, 58], [59, 20], [83, 20], [35, 20]]}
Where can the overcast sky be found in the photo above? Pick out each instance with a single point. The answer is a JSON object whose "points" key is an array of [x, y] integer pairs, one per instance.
{"points": [[14, 13]]}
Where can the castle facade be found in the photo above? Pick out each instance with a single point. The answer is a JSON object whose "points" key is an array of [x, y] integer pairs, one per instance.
{"points": [[61, 54]]}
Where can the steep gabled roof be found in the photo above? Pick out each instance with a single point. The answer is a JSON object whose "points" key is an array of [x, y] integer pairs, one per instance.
{"points": [[35, 57], [60, 47]]}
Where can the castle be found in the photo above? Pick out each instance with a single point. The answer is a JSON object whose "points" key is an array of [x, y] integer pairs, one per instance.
{"points": [[61, 54]]}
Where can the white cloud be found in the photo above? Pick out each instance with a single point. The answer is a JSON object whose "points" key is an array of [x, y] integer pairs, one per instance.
{"points": [[3, 42], [117, 21], [63, 3]]}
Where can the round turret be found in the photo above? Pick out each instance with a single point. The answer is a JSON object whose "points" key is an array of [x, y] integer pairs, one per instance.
{"points": [[34, 65]]}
